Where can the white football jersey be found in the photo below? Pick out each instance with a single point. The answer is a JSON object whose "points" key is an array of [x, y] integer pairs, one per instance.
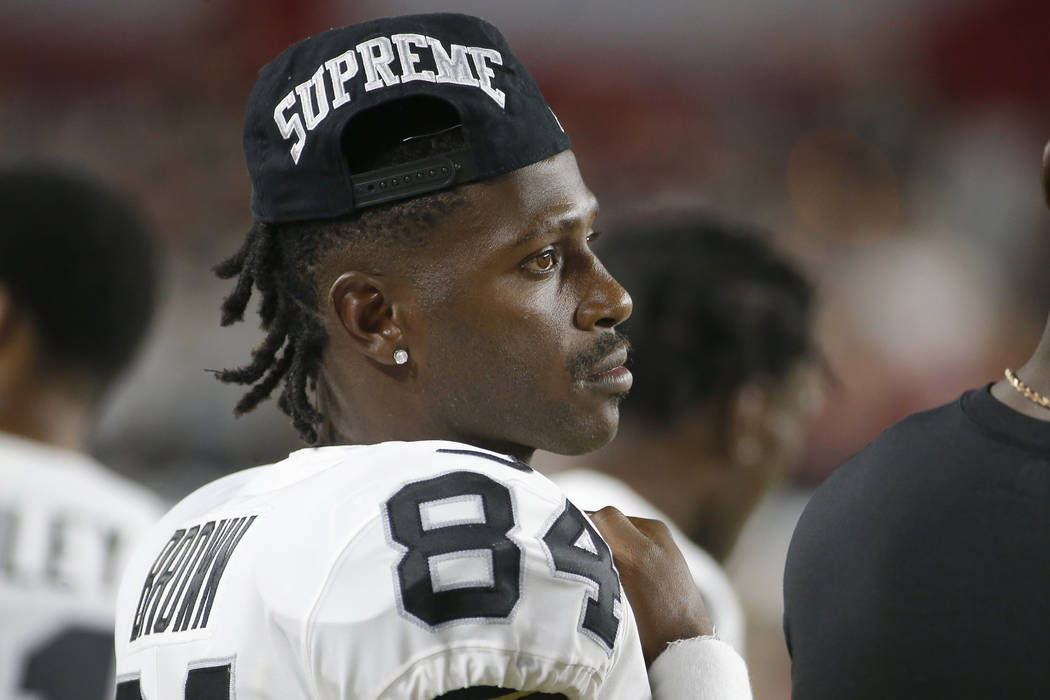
{"points": [[67, 525], [401, 570]]}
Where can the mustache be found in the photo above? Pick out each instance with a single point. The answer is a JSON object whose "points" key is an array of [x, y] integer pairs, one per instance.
{"points": [[583, 365]]}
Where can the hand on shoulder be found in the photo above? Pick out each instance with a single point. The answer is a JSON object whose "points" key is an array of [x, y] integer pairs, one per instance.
{"points": [[667, 604]]}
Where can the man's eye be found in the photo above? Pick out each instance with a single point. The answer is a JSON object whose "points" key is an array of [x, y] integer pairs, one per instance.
{"points": [[542, 262]]}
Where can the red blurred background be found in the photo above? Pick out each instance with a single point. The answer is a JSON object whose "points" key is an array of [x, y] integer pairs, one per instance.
{"points": [[892, 147]]}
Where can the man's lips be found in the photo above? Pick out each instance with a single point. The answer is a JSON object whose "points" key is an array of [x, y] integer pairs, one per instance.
{"points": [[612, 363], [611, 375]]}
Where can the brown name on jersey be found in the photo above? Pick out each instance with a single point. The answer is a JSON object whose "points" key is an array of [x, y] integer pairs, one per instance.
{"points": [[180, 587]]}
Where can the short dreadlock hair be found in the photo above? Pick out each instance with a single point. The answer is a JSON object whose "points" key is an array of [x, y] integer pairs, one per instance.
{"points": [[77, 257], [715, 305], [281, 261]]}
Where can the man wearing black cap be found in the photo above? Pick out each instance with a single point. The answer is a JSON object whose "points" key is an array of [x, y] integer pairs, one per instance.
{"points": [[434, 310]]}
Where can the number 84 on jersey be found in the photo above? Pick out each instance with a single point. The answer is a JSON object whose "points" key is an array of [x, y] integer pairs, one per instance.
{"points": [[460, 564]]}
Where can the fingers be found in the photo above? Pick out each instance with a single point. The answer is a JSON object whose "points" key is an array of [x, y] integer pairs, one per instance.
{"points": [[610, 522], [634, 541], [615, 526]]}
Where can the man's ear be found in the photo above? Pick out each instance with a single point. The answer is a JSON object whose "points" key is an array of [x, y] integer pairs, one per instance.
{"points": [[746, 425], [7, 314], [1046, 173], [369, 313], [19, 341]]}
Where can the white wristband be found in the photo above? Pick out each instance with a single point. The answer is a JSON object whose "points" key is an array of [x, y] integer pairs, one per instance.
{"points": [[702, 668]]}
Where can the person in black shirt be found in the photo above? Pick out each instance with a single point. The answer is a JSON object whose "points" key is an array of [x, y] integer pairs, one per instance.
{"points": [[921, 567]]}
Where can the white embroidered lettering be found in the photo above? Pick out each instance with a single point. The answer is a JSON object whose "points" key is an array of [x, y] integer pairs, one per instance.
{"points": [[409, 59], [376, 56], [288, 126], [314, 85], [453, 69], [456, 66], [485, 72], [341, 68]]}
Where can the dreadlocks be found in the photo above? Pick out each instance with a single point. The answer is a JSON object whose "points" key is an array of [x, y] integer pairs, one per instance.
{"points": [[280, 259], [281, 262]]}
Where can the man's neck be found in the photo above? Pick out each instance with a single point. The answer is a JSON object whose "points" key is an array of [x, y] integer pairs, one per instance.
{"points": [[1035, 374], [47, 416]]}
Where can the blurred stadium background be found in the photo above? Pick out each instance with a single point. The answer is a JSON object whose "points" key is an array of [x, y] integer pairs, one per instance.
{"points": [[892, 145]]}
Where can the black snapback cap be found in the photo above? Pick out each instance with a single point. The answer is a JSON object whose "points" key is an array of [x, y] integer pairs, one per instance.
{"points": [[309, 107]]}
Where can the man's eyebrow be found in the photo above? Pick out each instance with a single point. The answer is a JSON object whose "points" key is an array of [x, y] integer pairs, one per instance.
{"points": [[558, 224]]}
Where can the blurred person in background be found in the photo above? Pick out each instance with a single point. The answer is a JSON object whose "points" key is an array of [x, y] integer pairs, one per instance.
{"points": [[727, 381], [919, 567], [77, 292]]}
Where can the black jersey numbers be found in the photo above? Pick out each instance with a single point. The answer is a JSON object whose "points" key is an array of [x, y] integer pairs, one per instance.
{"points": [[578, 550], [460, 564]]}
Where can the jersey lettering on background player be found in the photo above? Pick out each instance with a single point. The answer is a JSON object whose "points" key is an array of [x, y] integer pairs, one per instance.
{"points": [[60, 550], [190, 555], [67, 552]]}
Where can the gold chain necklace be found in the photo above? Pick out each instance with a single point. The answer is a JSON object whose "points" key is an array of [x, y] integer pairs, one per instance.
{"points": [[1029, 393]]}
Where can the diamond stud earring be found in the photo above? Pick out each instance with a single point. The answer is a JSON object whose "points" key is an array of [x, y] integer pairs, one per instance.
{"points": [[400, 356]]}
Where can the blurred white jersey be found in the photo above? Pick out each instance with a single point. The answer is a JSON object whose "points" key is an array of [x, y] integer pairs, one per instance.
{"points": [[401, 570], [66, 528]]}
